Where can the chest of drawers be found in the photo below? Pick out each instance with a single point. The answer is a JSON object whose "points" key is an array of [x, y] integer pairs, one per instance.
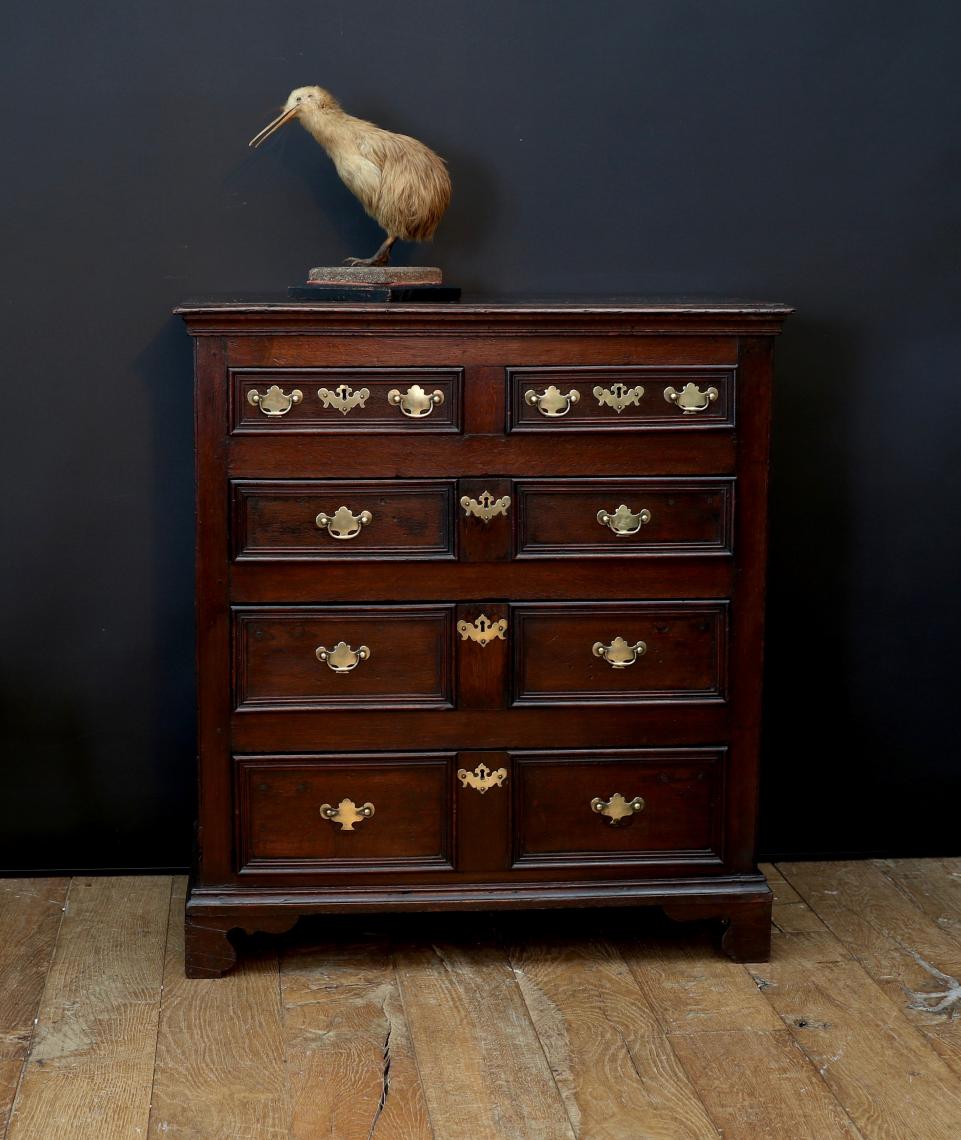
{"points": [[479, 608]]}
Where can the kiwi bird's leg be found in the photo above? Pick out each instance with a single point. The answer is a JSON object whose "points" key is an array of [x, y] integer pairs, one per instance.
{"points": [[381, 257]]}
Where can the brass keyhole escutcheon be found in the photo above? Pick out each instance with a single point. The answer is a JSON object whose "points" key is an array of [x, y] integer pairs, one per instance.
{"points": [[618, 396], [483, 630], [343, 523], [343, 398], [275, 401], [482, 779], [342, 659], [347, 813], [619, 654], [552, 402], [617, 808], [624, 522], [690, 399], [415, 403], [485, 507]]}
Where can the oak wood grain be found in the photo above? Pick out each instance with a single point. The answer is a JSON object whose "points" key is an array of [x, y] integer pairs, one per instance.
{"points": [[31, 911], [90, 1067], [220, 1048], [760, 1084], [351, 1070], [882, 1071], [898, 945], [483, 1067], [614, 1066], [689, 988], [932, 885]]}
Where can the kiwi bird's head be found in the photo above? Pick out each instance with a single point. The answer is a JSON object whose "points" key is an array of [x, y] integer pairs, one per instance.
{"points": [[303, 103]]}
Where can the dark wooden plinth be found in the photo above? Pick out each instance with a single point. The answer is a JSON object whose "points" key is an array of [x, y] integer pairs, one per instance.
{"points": [[742, 905], [374, 293]]}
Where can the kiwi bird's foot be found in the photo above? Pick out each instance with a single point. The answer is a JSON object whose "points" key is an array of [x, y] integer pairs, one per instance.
{"points": [[381, 257]]}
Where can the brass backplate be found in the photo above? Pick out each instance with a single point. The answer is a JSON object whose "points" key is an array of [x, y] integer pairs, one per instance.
{"points": [[617, 808], [347, 813], [690, 399], [275, 401], [415, 403]]}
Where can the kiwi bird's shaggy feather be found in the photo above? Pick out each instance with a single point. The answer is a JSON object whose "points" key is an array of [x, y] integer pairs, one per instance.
{"points": [[401, 183]]}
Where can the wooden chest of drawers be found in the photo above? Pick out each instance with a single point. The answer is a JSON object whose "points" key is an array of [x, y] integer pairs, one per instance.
{"points": [[480, 604]]}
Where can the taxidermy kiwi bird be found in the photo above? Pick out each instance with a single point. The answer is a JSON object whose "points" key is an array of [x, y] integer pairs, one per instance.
{"points": [[400, 182]]}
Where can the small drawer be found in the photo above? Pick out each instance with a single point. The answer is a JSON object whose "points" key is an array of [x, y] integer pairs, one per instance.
{"points": [[313, 657], [623, 517], [385, 811], [354, 400], [612, 399], [620, 652], [618, 807], [334, 519]]}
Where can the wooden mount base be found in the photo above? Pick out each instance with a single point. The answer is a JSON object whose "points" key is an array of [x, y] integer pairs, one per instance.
{"points": [[743, 905]]}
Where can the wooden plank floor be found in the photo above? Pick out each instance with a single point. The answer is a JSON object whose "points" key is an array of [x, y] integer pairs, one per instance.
{"points": [[552, 1026]]}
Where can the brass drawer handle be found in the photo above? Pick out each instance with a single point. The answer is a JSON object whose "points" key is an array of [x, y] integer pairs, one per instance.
{"points": [[624, 521], [618, 396], [342, 659], [617, 809], [482, 778], [415, 402], [619, 654], [343, 398], [343, 523], [275, 401], [486, 506], [483, 630], [552, 402], [690, 399], [347, 813]]}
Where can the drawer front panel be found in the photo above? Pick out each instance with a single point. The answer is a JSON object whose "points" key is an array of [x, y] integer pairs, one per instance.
{"points": [[373, 657], [347, 813], [337, 519], [352, 400], [623, 517], [617, 807], [612, 399], [596, 652]]}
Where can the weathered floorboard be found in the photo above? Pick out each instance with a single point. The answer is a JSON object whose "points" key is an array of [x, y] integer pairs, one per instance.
{"points": [[350, 1064], [30, 914], [90, 1066], [884, 1074], [220, 1053], [483, 1068], [750, 1076], [758, 1083], [612, 1063], [896, 943], [933, 885]]}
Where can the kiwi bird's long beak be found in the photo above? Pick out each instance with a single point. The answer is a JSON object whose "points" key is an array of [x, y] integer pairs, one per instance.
{"points": [[283, 117]]}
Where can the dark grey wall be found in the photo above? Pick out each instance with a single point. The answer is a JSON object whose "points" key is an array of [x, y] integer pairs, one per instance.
{"points": [[807, 152]]}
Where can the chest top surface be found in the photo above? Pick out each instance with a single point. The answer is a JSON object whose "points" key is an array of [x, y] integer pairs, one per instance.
{"points": [[254, 313]]}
